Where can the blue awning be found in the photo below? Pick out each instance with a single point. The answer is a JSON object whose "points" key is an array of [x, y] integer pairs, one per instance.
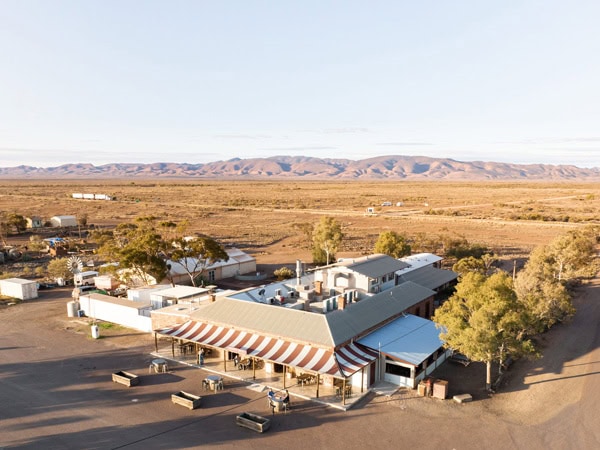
{"points": [[410, 339]]}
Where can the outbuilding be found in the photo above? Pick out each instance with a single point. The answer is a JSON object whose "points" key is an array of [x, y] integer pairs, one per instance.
{"points": [[237, 263], [124, 312], [64, 221], [19, 288], [34, 222]]}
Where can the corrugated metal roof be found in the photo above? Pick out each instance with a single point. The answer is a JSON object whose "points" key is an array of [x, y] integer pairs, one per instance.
{"points": [[374, 266], [410, 339], [429, 276], [341, 363], [235, 255], [420, 260], [368, 313], [277, 321], [238, 255], [269, 290], [180, 292], [329, 330]]}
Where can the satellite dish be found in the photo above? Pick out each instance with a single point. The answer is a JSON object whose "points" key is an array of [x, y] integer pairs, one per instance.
{"points": [[75, 265]]}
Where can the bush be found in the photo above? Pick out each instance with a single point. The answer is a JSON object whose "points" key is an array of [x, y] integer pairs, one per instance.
{"points": [[284, 273]]}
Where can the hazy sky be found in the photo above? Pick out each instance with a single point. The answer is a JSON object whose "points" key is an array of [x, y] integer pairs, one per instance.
{"points": [[200, 81]]}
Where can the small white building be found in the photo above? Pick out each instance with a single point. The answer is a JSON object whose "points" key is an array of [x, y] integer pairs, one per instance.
{"points": [[124, 312], [178, 294], [238, 263], [34, 222], [64, 221], [106, 282], [19, 288], [143, 293]]}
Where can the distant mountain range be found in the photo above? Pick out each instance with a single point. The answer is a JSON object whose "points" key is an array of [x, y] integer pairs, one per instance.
{"points": [[299, 167]]}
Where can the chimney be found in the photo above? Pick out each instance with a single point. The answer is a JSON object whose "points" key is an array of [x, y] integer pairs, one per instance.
{"points": [[299, 272], [319, 287], [341, 302], [307, 305], [212, 298]]}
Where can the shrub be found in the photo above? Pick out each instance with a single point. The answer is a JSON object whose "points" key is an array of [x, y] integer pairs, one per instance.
{"points": [[284, 273]]}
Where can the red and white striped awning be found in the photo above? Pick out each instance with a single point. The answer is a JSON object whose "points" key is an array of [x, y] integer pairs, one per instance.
{"points": [[341, 363]]}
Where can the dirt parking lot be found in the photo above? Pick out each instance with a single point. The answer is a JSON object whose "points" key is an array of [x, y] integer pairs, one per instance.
{"points": [[56, 392]]}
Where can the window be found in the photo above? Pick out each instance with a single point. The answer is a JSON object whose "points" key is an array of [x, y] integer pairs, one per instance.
{"points": [[211, 275], [394, 369]]}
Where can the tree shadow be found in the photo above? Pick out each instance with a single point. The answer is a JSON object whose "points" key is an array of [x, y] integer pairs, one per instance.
{"points": [[562, 344]]}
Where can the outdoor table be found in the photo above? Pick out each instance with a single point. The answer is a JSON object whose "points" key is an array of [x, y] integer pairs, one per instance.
{"points": [[277, 403], [215, 382], [159, 365], [348, 392], [305, 378]]}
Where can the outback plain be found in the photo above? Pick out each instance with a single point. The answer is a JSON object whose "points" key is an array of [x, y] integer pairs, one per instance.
{"points": [[545, 403], [267, 217]]}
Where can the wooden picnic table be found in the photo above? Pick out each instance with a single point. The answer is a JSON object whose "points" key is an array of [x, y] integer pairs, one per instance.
{"points": [[247, 363], [306, 378]]}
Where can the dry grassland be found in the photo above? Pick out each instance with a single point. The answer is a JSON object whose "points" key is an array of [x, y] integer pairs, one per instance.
{"points": [[262, 217]]}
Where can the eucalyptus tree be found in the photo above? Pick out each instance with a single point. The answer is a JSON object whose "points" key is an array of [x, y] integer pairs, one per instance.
{"points": [[392, 244], [195, 254], [139, 247], [484, 320], [327, 237]]}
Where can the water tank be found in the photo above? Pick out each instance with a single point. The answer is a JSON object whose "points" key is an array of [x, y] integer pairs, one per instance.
{"points": [[95, 331], [72, 308]]}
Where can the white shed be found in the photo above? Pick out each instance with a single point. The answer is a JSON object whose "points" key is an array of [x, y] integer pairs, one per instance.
{"points": [[19, 288], [238, 263], [177, 294], [34, 222], [124, 312], [64, 221], [143, 293]]}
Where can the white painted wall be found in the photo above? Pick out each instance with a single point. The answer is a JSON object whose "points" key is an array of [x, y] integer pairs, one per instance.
{"points": [[128, 316], [19, 288]]}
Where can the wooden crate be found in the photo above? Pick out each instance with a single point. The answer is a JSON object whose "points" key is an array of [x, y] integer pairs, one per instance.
{"points": [[253, 422], [186, 399], [126, 378]]}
